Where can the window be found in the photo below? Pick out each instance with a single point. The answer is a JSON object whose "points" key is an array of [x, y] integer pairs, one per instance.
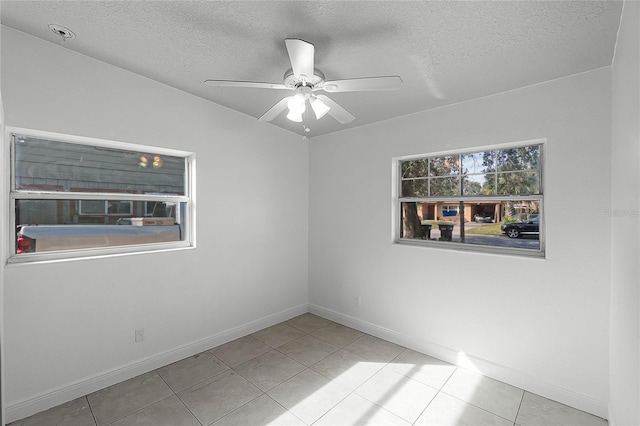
{"points": [[73, 197], [105, 207], [487, 200]]}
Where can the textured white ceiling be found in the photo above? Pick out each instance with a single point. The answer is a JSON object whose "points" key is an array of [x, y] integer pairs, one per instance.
{"points": [[445, 51]]}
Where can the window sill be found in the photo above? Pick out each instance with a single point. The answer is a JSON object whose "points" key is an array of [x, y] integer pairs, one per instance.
{"points": [[99, 253], [472, 248]]}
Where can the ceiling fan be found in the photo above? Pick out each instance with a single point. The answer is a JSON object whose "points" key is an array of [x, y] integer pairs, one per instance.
{"points": [[304, 80]]}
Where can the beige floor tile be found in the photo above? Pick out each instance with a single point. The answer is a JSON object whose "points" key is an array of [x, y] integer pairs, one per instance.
{"points": [[170, 411], [347, 369], [308, 323], [269, 370], [308, 350], [496, 397], [538, 411], [240, 350], [278, 335], [219, 396], [120, 400], [261, 411], [373, 349], [404, 397], [72, 413], [191, 371], [423, 368], [355, 410], [445, 410], [313, 371], [336, 334], [308, 395]]}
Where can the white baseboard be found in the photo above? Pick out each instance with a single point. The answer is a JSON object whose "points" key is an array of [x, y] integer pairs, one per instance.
{"points": [[490, 369], [70, 391]]}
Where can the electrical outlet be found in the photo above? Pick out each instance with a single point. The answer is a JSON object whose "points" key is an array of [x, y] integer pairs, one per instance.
{"points": [[357, 300], [139, 335]]}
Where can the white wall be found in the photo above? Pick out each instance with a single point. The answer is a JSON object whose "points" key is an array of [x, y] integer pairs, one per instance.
{"points": [[541, 324], [69, 326], [538, 323], [625, 226], [3, 229]]}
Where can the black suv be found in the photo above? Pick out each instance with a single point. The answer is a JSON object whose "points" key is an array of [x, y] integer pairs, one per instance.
{"points": [[518, 229]]}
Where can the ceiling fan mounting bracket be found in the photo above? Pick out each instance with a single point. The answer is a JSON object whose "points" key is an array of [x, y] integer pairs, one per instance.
{"points": [[293, 82]]}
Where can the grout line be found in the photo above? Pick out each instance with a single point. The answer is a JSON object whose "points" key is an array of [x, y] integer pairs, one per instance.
{"points": [[519, 407], [165, 382], [188, 409], [86, 397], [283, 407], [243, 405], [139, 410], [478, 407]]}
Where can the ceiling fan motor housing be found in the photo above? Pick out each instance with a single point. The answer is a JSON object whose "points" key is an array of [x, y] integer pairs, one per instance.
{"points": [[290, 80]]}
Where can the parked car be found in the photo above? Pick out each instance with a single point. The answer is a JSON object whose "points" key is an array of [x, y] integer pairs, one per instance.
{"points": [[40, 238], [483, 219], [517, 229]]}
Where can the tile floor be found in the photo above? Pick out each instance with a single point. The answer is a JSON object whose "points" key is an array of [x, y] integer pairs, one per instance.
{"points": [[311, 371]]}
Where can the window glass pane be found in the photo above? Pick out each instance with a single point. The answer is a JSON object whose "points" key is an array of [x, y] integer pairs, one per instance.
{"points": [[444, 166], [475, 184], [518, 183], [415, 188], [479, 162], [160, 209], [485, 223], [67, 212], [524, 158], [486, 181], [53, 225], [37, 212], [415, 168], [450, 211], [45, 165], [91, 207], [413, 217], [445, 186], [102, 207], [513, 224], [119, 207]]}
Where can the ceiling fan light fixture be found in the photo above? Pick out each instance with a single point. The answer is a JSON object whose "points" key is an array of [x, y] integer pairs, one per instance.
{"points": [[319, 107], [295, 117], [296, 104]]}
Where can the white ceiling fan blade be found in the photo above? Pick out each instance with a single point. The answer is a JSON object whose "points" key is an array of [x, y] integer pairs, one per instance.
{"points": [[362, 84], [275, 110], [340, 114], [245, 84], [301, 55]]}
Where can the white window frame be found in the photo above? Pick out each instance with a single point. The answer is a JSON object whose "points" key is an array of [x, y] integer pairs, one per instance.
{"points": [[397, 200], [188, 198]]}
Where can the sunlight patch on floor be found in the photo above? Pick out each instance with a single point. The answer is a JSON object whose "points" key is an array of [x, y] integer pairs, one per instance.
{"points": [[464, 362]]}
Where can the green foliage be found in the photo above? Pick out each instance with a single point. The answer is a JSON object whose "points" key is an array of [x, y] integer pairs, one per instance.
{"points": [[517, 171], [415, 168], [470, 187], [513, 171]]}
